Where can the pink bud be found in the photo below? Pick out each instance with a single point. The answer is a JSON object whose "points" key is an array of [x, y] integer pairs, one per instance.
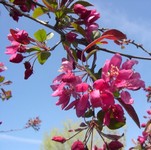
{"points": [[70, 37], [143, 125], [28, 73], [78, 145], [141, 139], [115, 145], [16, 58], [59, 139], [149, 112]]}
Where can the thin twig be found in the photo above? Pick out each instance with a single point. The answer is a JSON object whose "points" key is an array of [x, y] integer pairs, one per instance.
{"points": [[28, 16]]}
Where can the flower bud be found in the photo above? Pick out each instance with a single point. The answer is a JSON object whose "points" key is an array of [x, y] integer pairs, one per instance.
{"points": [[16, 58], [28, 73], [59, 139]]}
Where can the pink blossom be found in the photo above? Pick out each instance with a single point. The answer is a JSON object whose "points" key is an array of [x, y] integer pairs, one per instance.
{"points": [[20, 36], [126, 97], [115, 111], [2, 67], [141, 140], [78, 145], [13, 48], [82, 87], [82, 105]]}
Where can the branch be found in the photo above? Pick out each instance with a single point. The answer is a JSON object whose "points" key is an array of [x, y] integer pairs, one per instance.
{"points": [[125, 55], [5, 3]]}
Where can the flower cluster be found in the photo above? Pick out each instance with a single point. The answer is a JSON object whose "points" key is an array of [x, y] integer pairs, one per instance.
{"points": [[19, 40], [88, 18], [116, 80], [34, 123], [4, 95], [24, 5], [144, 141], [2, 67]]}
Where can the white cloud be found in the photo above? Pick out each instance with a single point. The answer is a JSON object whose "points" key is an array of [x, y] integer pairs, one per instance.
{"points": [[19, 139], [137, 28]]}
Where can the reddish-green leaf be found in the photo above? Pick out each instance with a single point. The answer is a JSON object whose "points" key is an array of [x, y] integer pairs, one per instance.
{"points": [[116, 34], [112, 136], [98, 40], [131, 111]]}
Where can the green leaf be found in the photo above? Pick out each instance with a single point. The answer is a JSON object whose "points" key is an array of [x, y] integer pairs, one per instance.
{"points": [[49, 36], [78, 28], [91, 53], [40, 35], [33, 49], [39, 11], [100, 117], [95, 34], [114, 124], [43, 56], [89, 113], [2, 78]]}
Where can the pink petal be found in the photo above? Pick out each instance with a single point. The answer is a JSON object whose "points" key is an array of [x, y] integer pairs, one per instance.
{"points": [[126, 97], [82, 87], [116, 60], [95, 98]]}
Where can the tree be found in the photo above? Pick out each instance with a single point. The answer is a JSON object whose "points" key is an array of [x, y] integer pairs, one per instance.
{"points": [[99, 94]]}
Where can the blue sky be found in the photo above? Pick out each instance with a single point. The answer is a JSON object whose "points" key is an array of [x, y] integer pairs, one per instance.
{"points": [[33, 97]]}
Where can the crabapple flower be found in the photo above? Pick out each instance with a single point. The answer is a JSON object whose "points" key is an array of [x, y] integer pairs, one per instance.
{"points": [[2, 67], [116, 112], [121, 76], [88, 18]]}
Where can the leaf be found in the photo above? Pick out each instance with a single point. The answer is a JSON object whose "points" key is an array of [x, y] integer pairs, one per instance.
{"points": [[100, 117], [43, 56], [84, 3], [39, 11], [131, 111], [98, 40], [117, 35], [33, 49], [40, 35], [78, 28], [2, 78], [49, 36], [91, 53], [112, 136], [114, 124], [89, 113], [51, 4]]}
